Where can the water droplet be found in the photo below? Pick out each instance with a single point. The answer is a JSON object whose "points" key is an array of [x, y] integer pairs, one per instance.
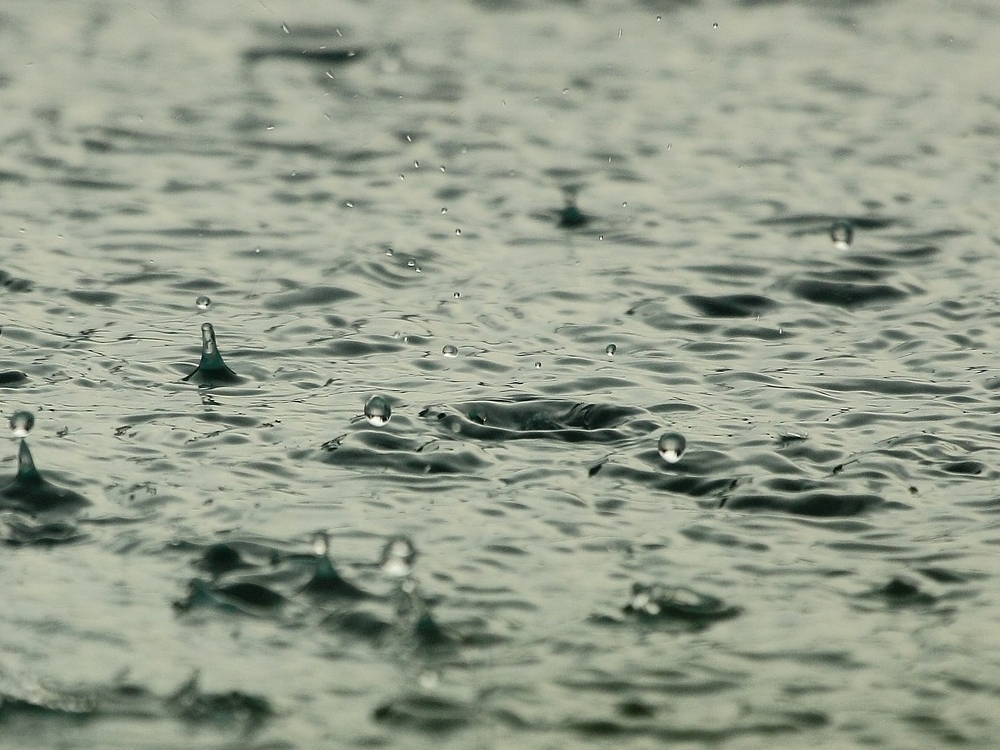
{"points": [[538, 365], [442, 168], [377, 411], [659, 18], [321, 544], [444, 209], [456, 295], [416, 164], [458, 232], [715, 25], [284, 28], [398, 557], [611, 350], [671, 447], [842, 234], [21, 423], [450, 351], [203, 302]]}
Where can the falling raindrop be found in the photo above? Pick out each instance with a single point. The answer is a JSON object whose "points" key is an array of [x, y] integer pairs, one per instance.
{"points": [[450, 351], [842, 234], [538, 365], [456, 295], [203, 302], [671, 447], [321, 544], [398, 557], [611, 350], [21, 423], [377, 411]]}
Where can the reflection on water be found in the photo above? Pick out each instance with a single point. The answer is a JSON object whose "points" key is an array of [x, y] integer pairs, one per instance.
{"points": [[691, 298]]}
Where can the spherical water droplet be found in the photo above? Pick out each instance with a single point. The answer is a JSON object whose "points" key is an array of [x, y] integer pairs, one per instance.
{"points": [[842, 234], [450, 351], [538, 365], [611, 350], [456, 295], [715, 25], [671, 447], [21, 423], [321, 544], [444, 210], [203, 302], [377, 411], [398, 557]]}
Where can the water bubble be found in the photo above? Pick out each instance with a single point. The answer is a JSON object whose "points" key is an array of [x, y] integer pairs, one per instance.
{"points": [[321, 544], [398, 557], [671, 447], [377, 411], [203, 302], [21, 423], [611, 350], [449, 350], [842, 234]]}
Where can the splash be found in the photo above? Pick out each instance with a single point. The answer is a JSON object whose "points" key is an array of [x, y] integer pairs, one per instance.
{"points": [[211, 370]]}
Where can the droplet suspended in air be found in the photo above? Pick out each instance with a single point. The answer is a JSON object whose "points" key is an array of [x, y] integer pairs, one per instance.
{"points": [[21, 423], [211, 369], [377, 411], [671, 447], [449, 350], [842, 234], [611, 350], [321, 544], [398, 557], [203, 302]]}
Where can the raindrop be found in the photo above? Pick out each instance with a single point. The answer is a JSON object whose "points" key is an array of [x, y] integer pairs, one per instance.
{"points": [[416, 164], [444, 209], [456, 295], [398, 557], [671, 447], [321, 544], [377, 411], [842, 234], [203, 302], [21, 423], [538, 365], [450, 351], [611, 350], [458, 232], [715, 25], [442, 168], [284, 27]]}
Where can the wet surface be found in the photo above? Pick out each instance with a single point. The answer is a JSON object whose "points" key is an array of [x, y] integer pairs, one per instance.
{"points": [[663, 333]]}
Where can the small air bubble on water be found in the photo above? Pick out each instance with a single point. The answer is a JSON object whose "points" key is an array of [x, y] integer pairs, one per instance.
{"points": [[398, 557], [203, 302], [842, 234], [611, 350], [21, 423], [671, 447], [450, 351], [377, 411]]}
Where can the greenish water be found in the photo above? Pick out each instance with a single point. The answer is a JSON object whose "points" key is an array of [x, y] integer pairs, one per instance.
{"points": [[544, 235]]}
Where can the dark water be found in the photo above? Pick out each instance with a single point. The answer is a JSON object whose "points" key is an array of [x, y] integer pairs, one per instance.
{"points": [[365, 189]]}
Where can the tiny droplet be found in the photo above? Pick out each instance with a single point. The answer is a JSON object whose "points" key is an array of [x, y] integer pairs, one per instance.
{"points": [[21, 423], [203, 302], [671, 447], [842, 234], [450, 351], [611, 350], [377, 411], [398, 557], [321, 544]]}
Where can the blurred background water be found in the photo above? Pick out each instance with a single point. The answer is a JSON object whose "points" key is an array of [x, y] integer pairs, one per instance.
{"points": [[544, 235]]}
